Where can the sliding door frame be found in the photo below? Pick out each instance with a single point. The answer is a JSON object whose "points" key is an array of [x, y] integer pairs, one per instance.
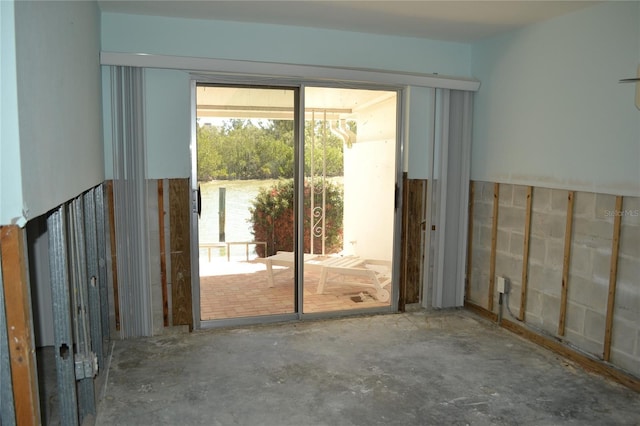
{"points": [[299, 117]]}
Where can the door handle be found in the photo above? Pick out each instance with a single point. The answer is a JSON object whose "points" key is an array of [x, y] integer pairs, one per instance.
{"points": [[199, 201]]}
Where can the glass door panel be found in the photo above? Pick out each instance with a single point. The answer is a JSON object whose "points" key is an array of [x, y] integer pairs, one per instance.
{"points": [[245, 168], [349, 190]]}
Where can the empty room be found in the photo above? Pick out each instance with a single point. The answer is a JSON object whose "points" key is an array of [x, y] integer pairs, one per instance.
{"points": [[319, 212]]}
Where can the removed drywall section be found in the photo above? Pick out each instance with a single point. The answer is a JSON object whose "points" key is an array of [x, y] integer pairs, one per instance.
{"points": [[548, 219], [481, 249], [589, 267], [625, 345], [180, 241]]}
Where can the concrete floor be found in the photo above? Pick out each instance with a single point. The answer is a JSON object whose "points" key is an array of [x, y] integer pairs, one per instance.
{"points": [[446, 368]]}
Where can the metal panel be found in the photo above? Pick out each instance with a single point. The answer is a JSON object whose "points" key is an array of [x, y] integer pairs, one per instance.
{"points": [[101, 234], [65, 368], [91, 244], [83, 357]]}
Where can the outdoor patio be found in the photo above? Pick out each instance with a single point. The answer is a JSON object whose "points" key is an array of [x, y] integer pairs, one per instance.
{"points": [[231, 289]]}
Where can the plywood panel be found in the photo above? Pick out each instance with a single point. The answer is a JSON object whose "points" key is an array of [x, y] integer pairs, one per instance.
{"points": [[179, 213], [416, 189], [163, 261]]}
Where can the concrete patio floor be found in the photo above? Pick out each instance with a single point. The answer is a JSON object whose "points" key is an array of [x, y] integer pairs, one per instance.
{"points": [[239, 289], [443, 368]]}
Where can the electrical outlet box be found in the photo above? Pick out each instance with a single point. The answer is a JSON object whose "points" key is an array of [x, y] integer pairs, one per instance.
{"points": [[503, 285]]}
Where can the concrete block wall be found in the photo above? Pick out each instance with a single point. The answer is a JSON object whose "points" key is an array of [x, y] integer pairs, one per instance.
{"points": [[546, 251], [589, 271], [481, 249], [625, 344], [588, 268]]}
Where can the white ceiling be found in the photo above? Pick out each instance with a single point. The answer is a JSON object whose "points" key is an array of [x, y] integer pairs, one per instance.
{"points": [[461, 21]]}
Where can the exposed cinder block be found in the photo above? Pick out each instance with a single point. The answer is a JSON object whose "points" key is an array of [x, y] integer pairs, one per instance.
{"points": [[534, 304], [506, 195], [548, 225], [516, 244], [623, 336], [601, 263], [543, 278], [594, 325], [550, 312], [587, 345], [584, 205], [605, 207], [592, 233], [520, 195], [631, 209], [537, 250], [511, 218], [630, 241], [575, 318], [626, 362], [482, 212], [580, 260], [514, 297], [502, 243], [480, 258], [589, 293], [627, 302], [486, 194], [484, 239], [541, 199], [509, 267], [554, 256], [559, 200]]}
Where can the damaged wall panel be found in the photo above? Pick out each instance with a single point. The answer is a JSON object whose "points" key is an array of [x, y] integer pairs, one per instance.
{"points": [[600, 312], [180, 246]]}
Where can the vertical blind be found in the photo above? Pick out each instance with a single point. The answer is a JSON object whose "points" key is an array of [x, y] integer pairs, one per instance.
{"points": [[130, 201]]}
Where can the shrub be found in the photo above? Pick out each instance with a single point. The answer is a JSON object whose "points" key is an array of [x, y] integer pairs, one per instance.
{"points": [[272, 217]]}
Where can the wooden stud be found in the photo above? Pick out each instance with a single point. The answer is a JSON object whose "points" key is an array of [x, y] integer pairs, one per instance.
{"points": [[114, 256], [613, 276], [467, 278], [525, 255], [180, 245], [22, 353], [494, 242], [163, 260], [565, 264]]}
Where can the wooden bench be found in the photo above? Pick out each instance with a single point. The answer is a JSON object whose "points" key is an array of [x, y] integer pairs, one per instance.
{"points": [[228, 245]]}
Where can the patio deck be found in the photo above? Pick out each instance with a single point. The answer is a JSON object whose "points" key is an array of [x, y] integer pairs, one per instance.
{"points": [[239, 289]]}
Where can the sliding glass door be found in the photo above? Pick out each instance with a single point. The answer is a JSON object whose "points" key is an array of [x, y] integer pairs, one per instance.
{"points": [[280, 183]]}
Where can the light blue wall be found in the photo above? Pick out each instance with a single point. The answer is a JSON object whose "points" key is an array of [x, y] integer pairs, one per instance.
{"points": [[167, 92], [10, 179], [58, 64], [550, 111], [276, 43], [168, 129]]}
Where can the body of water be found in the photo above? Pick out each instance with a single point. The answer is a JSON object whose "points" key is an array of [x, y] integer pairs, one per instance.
{"points": [[239, 195]]}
